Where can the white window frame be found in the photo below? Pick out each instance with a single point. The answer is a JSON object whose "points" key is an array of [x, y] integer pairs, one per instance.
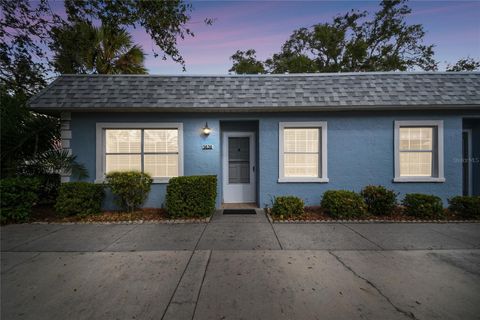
{"points": [[439, 150], [101, 146], [322, 125]]}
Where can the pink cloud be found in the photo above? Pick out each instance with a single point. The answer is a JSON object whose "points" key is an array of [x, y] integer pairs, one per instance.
{"points": [[450, 8]]}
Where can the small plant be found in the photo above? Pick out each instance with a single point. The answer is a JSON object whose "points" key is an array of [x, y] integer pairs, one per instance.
{"points": [[287, 206], [343, 204], [466, 207], [379, 200], [131, 188], [423, 206], [18, 195], [79, 199], [191, 196]]}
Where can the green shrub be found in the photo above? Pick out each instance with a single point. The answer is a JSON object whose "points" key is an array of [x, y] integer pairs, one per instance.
{"points": [[49, 188], [466, 207], [18, 195], [191, 196], [343, 204], [423, 206], [286, 206], [379, 200], [130, 187], [79, 198]]}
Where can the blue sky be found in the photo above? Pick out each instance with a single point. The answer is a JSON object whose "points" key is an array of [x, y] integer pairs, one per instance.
{"points": [[453, 26]]}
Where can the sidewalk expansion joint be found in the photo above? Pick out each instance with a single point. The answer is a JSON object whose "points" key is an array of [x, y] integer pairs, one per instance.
{"points": [[275, 233], [201, 285], [123, 235], [38, 238], [178, 284], [361, 235], [200, 238]]}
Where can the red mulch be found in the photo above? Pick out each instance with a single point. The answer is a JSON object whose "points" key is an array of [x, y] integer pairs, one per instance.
{"points": [[316, 213], [47, 214]]}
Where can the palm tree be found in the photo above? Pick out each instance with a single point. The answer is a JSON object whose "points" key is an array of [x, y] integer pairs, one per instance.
{"points": [[84, 48], [117, 54]]}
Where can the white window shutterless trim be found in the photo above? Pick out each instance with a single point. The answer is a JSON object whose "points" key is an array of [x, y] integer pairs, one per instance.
{"points": [[101, 144], [322, 151], [437, 151]]}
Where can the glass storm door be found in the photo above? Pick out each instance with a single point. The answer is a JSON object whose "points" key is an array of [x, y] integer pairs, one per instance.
{"points": [[238, 167]]}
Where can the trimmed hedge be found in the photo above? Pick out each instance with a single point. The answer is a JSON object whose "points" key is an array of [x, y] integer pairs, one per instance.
{"points": [[379, 200], [423, 206], [130, 187], [343, 204], [286, 206], [17, 197], [191, 196], [79, 198], [465, 207]]}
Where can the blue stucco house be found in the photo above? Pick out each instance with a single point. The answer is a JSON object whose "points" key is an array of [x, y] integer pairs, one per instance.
{"points": [[269, 135]]}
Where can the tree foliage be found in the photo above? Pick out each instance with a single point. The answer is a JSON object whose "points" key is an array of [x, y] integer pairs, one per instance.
{"points": [[245, 62], [31, 141], [24, 32], [356, 41], [24, 134], [27, 26], [464, 64], [83, 48], [165, 21]]}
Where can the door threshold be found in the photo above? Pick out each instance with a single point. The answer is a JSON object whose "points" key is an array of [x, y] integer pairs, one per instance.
{"points": [[251, 205]]}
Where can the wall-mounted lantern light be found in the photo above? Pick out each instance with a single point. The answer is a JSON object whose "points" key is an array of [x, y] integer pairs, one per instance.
{"points": [[206, 129]]}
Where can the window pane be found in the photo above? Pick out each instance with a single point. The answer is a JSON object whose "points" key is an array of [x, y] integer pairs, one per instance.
{"points": [[123, 141], [161, 165], [417, 164], [161, 140], [122, 162], [416, 138], [301, 165], [301, 140], [239, 172]]}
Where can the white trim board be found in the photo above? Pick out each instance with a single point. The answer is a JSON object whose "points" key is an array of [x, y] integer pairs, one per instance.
{"points": [[100, 143], [470, 146], [322, 125], [440, 177]]}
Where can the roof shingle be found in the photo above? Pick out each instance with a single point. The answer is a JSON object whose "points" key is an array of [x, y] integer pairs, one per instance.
{"points": [[388, 90]]}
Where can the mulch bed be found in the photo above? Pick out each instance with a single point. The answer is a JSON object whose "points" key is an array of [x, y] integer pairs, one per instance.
{"points": [[46, 214], [316, 214]]}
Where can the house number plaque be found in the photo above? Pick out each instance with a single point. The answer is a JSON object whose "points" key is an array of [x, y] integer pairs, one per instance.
{"points": [[207, 147]]}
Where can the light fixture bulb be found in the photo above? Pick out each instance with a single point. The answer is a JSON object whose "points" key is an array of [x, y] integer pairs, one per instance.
{"points": [[206, 130]]}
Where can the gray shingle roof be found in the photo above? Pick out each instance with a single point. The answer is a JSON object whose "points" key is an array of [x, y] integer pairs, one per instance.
{"points": [[391, 90]]}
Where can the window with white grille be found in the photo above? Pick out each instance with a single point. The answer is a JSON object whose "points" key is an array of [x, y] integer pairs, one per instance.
{"points": [[419, 151], [302, 155], [152, 149]]}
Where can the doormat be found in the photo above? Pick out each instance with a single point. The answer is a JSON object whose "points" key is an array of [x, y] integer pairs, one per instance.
{"points": [[239, 211]]}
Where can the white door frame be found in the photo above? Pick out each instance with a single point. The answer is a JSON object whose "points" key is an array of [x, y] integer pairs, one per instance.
{"points": [[250, 195], [469, 143]]}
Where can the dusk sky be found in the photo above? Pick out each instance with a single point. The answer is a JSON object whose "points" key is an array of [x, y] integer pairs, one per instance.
{"points": [[453, 26]]}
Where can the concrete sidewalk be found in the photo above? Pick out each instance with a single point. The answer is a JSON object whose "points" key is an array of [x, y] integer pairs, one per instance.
{"points": [[231, 232], [241, 267]]}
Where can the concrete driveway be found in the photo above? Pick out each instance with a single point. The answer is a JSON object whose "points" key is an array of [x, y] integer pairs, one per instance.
{"points": [[241, 267]]}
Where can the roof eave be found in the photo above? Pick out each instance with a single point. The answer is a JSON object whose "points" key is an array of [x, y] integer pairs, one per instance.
{"points": [[261, 109]]}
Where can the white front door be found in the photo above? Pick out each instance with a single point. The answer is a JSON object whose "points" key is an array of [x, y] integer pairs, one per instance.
{"points": [[238, 167]]}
